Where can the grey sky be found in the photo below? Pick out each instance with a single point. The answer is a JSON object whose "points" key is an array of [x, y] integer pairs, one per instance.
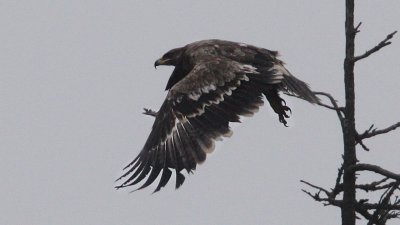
{"points": [[75, 76]]}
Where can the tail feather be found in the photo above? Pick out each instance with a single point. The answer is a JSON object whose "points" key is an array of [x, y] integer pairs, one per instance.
{"points": [[289, 84], [299, 88]]}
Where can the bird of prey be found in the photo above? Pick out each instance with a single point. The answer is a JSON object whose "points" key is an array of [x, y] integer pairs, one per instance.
{"points": [[214, 83]]}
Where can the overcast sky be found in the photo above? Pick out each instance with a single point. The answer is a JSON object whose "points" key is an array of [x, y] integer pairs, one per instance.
{"points": [[75, 76]]}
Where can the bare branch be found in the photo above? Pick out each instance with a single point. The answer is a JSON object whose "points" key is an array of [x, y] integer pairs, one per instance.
{"points": [[384, 208], [149, 112], [338, 186], [373, 132], [383, 211], [374, 186], [325, 201], [378, 47], [357, 28], [320, 103], [380, 213], [361, 206], [363, 145], [316, 187], [339, 110], [376, 169], [332, 99], [328, 106], [371, 206]]}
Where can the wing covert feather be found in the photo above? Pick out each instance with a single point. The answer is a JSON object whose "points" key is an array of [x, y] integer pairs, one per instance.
{"points": [[196, 112]]}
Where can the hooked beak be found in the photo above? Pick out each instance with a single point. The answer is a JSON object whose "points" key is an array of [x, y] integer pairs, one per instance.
{"points": [[160, 62]]}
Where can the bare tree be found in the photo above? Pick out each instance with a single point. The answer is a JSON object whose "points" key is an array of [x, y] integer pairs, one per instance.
{"points": [[343, 194]]}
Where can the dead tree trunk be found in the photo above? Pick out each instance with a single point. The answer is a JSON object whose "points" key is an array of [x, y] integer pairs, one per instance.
{"points": [[349, 156], [388, 207]]}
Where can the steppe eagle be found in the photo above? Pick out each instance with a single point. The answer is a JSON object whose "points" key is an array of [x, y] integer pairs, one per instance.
{"points": [[214, 83]]}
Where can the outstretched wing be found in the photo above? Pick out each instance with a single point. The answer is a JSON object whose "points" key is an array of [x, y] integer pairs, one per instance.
{"points": [[196, 112]]}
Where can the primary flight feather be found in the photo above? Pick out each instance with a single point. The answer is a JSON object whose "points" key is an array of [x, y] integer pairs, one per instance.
{"points": [[214, 83]]}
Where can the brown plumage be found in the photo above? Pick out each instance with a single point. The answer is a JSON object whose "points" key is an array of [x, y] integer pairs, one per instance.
{"points": [[214, 83]]}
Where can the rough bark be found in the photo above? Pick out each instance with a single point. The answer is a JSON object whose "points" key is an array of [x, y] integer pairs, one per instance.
{"points": [[349, 156]]}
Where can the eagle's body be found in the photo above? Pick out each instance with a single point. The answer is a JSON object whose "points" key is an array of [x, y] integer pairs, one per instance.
{"points": [[213, 83]]}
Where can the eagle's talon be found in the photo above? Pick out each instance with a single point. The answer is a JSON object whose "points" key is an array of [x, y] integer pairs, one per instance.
{"points": [[282, 119], [149, 112], [205, 93], [286, 108]]}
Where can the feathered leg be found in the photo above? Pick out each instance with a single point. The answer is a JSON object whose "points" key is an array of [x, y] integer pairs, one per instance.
{"points": [[278, 105]]}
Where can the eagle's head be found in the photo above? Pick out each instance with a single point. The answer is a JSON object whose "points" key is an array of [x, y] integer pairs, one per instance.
{"points": [[171, 58]]}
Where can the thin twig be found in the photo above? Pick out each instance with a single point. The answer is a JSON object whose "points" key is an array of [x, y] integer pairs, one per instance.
{"points": [[383, 209], [361, 204], [357, 28], [376, 169], [378, 47], [325, 201], [363, 145], [316, 187], [339, 110], [320, 103], [374, 186], [373, 132], [338, 186], [370, 206]]}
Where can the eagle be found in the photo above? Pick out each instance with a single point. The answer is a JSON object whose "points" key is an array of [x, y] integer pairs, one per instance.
{"points": [[213, 84]]}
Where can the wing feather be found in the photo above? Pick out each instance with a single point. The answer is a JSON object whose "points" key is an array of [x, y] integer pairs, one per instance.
{"points": [[180, 178], [218, 82], [196, 112], [152, 177], [197, 144], [186, 151], [165, 176], [142, 172], [181, 156]]}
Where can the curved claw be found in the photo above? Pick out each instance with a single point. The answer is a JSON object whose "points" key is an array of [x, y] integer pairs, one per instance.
{"points": [[284, 102], [150, 112], [286, 108], [282, 120], [282, 114]]}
